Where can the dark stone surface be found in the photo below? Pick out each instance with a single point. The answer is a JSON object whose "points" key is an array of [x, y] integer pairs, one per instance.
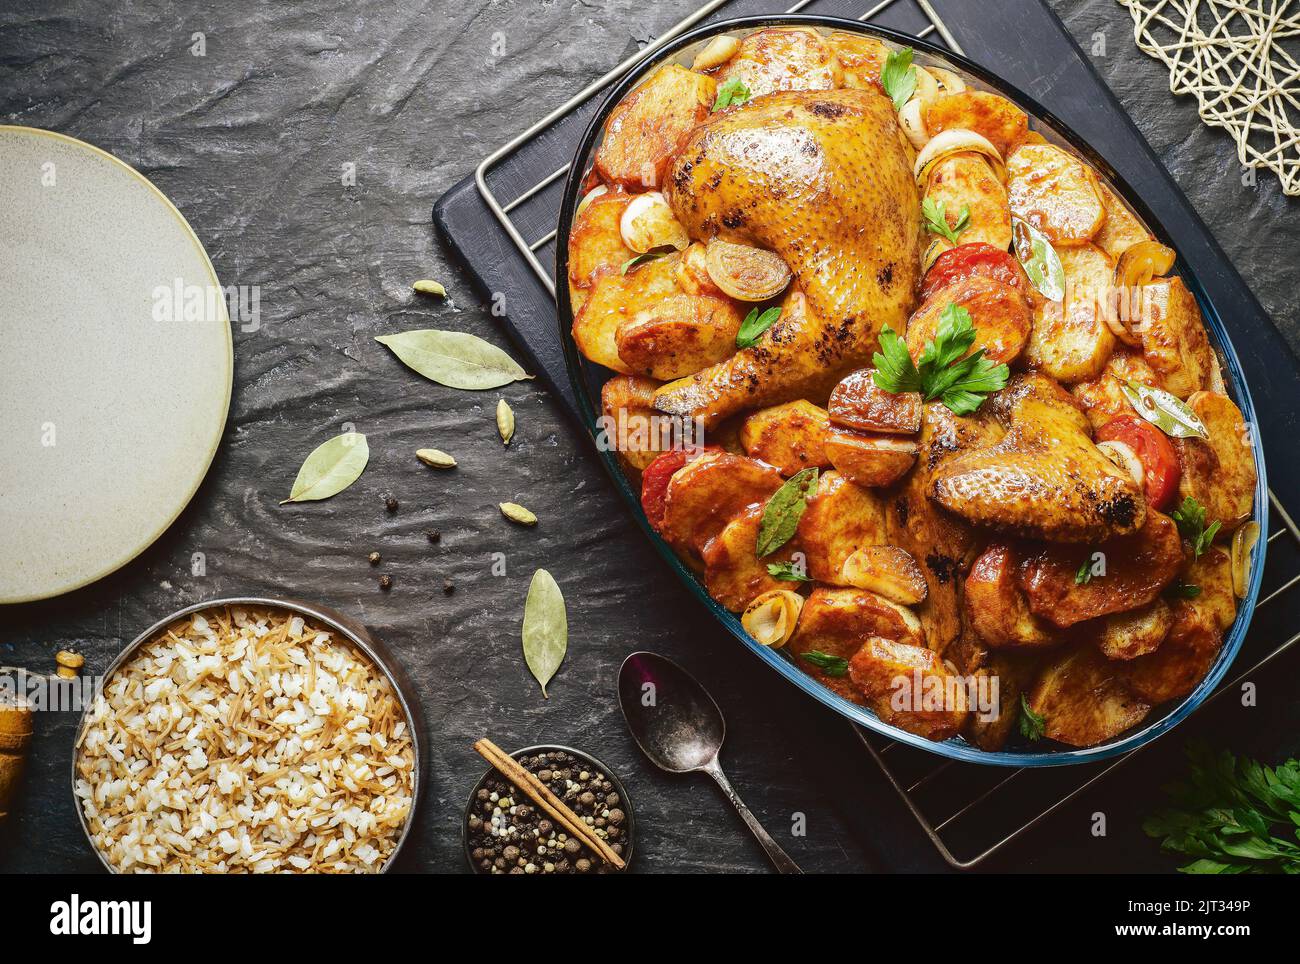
{"points": [[250, 142]]}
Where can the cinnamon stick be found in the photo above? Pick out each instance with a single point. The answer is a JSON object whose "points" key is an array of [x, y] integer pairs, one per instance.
{"points": [[540, 794]]}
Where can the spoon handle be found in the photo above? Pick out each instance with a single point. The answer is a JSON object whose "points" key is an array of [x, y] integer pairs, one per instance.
{"points": [[780, 859]]}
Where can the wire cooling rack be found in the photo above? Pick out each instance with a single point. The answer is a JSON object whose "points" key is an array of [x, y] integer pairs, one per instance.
{"points": [[969, 812]]}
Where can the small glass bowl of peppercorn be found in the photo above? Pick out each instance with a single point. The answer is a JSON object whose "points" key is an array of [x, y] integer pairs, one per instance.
{"points": [[505, 832]]}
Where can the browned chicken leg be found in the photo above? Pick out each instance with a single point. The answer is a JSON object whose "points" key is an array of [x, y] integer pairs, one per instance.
{"points": [[824, 180]]}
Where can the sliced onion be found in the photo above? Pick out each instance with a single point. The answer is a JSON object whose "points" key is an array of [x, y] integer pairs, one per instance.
{"points": [[936, 247], [648, 223], [590, 196], [1142, 262], [1120, 312], [927, 88], [912, 119], [744, 272], [1125, 458], [949, 82], [956, 141], [716, 53], [771, 617], [1243, 543]]}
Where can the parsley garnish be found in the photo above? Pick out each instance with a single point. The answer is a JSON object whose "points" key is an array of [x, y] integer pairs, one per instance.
{"points": [[1190, 518], [752, 328], [1232, 815], [830, 665], [1184, 590], [936, 219], [962, 382], [1084, 575], [1032, 725], [898, 77], [732, 92], [787, 571]]}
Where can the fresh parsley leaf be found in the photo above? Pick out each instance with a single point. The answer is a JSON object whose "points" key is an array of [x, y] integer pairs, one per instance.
{"points": [[1032, 725], [1232, 815], [631, 263], [1084, 575], [733, 91], [1184, 590], [898, 77], [1190, 519], [787, 571], [830, 665], [942, 371], [936, 218], [752, 328]]}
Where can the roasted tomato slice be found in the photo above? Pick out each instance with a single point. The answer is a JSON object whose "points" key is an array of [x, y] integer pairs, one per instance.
{"points": [[657, 475], [1160, 466], [965, 260]]}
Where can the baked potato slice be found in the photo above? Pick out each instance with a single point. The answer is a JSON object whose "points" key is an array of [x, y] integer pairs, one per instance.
{"points": [[887, 571], [1015, 671], [1070, 340], [836, 621], [839, 518], [733, 574], [1121, 229], [627, 403], [648, 126], [1211, 573], [596, 244], [887, 671], [1054, 191], [861, 58], [1219, 473], [1182, 660], [870, 460], [708, 492], [790, 436], [1173, 336], [1000, 122], [966, 181], [1083, 698], [857, 402], [1138, 567], [996, 606], [999, 312], [612, 300], [783, 58], [678, 335], [1135, 633]]}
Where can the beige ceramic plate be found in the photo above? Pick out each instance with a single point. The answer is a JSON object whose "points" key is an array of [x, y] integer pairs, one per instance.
{"points": [[113, 401]]}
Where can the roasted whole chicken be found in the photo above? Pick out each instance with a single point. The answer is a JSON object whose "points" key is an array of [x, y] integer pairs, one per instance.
{"points": [[968, 457]]}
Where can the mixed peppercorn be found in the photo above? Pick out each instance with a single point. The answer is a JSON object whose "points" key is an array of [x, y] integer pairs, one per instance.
{"points": [[509, 834]]}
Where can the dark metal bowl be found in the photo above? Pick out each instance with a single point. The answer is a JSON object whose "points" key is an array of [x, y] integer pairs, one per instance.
{"points": [[629, 819], [587, 378], [347, 628]]}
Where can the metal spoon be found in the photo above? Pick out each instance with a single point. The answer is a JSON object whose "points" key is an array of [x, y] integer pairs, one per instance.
{"points": [[679, 727]]}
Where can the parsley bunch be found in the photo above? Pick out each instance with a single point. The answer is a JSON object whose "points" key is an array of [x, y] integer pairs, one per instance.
{"points": [[945, 370], [1190, 519], [1233, 815]]}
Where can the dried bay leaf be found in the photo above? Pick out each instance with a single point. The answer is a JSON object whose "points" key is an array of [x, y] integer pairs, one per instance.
{"points": [[331, 468], [546, 628], [456, 359], [783, 511]]}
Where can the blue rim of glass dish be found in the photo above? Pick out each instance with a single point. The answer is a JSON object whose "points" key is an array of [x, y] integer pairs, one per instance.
{"points": [[580, 373]]}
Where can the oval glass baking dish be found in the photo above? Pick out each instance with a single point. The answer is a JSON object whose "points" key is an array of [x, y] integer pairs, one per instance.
{"points": [[587, 379], [343, 628]]}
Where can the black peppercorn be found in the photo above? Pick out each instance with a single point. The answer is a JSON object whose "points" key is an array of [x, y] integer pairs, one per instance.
{"points": [[385, 583], [448, 587], [374, 558], [390, 504], [433, 535]]}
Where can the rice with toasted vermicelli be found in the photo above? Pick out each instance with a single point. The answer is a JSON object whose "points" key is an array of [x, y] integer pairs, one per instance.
{"points": [[246, 741]]}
